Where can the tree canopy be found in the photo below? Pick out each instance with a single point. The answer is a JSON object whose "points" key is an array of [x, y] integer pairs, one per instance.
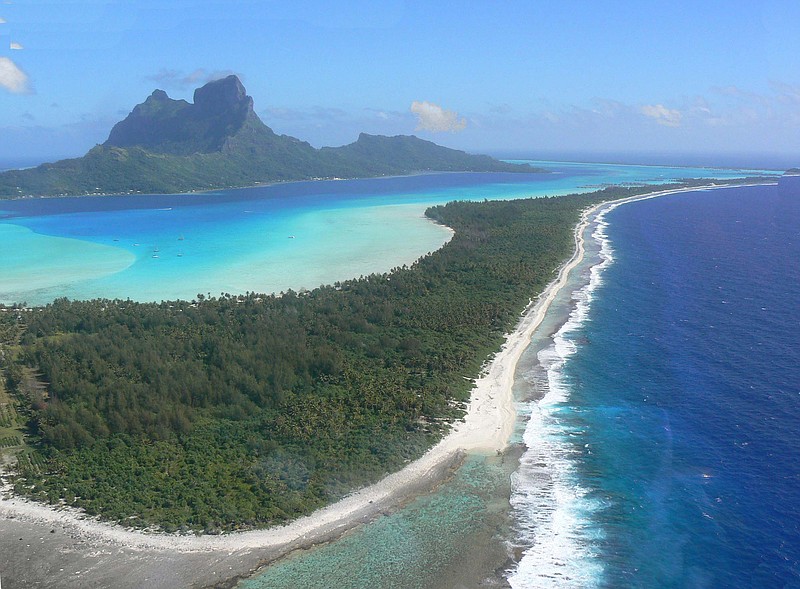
{"points": [[242, 411]]}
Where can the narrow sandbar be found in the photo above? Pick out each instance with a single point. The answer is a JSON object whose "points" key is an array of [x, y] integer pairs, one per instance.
{"points": [[46, 547]]}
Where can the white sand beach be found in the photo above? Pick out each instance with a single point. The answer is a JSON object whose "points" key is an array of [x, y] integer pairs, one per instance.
{"points": [[70, 549]]}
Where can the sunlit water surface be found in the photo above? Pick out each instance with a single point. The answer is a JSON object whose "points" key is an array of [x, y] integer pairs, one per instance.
{"points": [[262, 239]]}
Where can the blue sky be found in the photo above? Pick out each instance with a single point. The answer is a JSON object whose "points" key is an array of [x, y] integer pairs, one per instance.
{"points": [[529, 77]]}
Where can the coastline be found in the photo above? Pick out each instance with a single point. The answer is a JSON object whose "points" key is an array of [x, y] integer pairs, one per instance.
{"points": [[542, 510], [60, 538], [486, 429], [614, 497], [254, 185]]}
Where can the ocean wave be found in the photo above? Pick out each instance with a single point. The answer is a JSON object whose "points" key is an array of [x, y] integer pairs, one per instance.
{"points": [[555, 516]]}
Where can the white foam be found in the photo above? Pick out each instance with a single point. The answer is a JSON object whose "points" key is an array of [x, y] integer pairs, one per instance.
{"points": [[554, 512]]}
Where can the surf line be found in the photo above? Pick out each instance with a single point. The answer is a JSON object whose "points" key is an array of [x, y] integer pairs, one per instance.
{"points": [[487, 428]]}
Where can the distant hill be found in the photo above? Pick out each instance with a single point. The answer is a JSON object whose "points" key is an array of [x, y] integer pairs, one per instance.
{"points": [[166, 145]]}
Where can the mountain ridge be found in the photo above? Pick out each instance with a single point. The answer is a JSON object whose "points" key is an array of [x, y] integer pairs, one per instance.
{"points": [[217, 141]]}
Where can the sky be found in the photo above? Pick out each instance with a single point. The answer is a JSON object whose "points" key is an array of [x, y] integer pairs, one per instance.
{"points": [[530, 78]]}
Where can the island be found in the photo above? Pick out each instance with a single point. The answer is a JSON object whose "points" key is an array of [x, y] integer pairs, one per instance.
{"points": [[218, 141], [248, 411], [187, 420]]}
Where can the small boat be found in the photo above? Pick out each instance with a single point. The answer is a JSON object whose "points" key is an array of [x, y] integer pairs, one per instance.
{"points": [[291, 237], [180, 238]]}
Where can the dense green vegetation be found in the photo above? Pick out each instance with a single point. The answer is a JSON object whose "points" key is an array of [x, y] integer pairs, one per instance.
{"points": [[166, 146], [245, 411], [250, 410]]}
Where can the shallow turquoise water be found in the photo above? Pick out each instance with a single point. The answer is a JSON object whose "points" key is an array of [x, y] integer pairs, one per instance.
{"points": [[432, 542], [296, 236], [34, 261], [263, 239], [429, 543]]}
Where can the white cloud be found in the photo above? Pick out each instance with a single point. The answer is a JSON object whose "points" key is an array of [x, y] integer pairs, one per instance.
{"points": [[12, 78], [662, 115], [15, 46], [432, 117]]}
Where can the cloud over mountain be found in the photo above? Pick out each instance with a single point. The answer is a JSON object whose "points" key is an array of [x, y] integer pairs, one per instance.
{"points": [[432, 117]]}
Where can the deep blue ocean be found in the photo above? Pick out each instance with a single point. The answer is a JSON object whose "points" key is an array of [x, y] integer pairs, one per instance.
{"points": [[668, 435], [663, 451]]}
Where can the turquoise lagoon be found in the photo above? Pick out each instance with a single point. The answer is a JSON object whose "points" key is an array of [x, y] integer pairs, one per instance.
{"points": [[261, 239], [300, 235]]}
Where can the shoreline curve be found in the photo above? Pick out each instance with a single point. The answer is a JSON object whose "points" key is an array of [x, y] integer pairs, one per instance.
{"points": [[198, 560]]}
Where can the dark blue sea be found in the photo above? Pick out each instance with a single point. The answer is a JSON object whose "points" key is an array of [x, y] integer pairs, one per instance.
{"points": [[665, 450]]}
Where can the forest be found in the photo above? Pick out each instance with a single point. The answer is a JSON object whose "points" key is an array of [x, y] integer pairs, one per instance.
{"points": [[244, 411]]}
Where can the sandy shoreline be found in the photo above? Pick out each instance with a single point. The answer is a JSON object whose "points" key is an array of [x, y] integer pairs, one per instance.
{"points": [[69, 549]]}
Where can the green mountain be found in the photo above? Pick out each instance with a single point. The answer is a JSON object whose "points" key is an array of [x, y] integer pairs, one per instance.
{"points": [[218, 141]]}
